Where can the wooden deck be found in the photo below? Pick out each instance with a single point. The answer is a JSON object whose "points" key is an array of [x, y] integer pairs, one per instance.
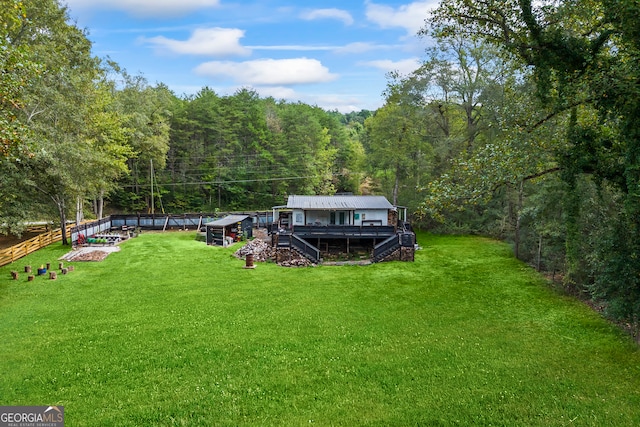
{"points": [[343, 231], [382, 241]]}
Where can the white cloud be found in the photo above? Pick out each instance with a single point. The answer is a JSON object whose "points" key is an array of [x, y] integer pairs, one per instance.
{"points": [[410, 16], [269, 72], [405, 66], [203, 41], [363, 47], [340, 102], [351, 48], [279, 92], [144, 7], [293, 47], [341, 15]]}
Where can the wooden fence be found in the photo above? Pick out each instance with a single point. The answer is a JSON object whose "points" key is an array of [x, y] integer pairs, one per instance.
{"points": [[14, 253]]}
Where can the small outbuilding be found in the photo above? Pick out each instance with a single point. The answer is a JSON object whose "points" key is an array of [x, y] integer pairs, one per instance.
{"points": [[231, 228]]}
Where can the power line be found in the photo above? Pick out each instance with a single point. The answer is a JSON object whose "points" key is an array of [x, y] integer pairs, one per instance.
{"points": [[232, 181]]}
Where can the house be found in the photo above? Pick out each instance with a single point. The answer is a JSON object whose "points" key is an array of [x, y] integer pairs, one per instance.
{"points": [[320, 226], [229, 229]]}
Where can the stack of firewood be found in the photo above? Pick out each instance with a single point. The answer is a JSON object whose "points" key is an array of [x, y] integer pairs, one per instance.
{"points": [[291, 258], [261, 251], [296, 262]]}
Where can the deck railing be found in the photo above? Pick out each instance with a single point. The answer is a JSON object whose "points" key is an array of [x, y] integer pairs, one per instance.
{"points": [[307, 249], [288, 240], [328, 231], [386, 247]]}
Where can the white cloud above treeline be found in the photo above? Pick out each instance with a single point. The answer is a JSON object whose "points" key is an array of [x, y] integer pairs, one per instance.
{"points": [[404, 67], [203, 41], [377, 35], [363, 47], [338, 14], [410, 16], [165, 8], [269, 72]]}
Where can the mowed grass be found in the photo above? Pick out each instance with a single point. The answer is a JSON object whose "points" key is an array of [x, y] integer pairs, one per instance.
{"points": [[171, 332]]}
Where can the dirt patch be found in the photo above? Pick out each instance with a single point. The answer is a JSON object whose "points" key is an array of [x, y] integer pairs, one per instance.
{"points": [[90, 253], [90, 256]]}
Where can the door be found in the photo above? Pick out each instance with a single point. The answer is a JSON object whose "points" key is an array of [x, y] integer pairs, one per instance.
{"points": [[341, 217]]}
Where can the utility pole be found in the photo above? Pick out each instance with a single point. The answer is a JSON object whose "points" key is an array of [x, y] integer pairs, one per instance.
{"points": [[152, 207]]}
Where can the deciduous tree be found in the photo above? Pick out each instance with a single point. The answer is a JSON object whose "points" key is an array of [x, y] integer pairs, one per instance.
{"points": [[581, 56]]}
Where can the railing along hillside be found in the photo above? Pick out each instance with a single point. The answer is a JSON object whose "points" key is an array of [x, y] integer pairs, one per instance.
{"points": [[14, 253]]}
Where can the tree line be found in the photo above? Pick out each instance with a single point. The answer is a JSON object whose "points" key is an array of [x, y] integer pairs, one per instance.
{"points": [[77, 131], [548, 100], [520, 123]]}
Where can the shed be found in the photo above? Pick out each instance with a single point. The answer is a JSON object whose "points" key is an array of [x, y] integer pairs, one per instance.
{"points": [[231, 228]]}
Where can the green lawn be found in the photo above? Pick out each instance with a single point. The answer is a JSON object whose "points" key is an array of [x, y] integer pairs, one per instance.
{"points": [[170, 331]]}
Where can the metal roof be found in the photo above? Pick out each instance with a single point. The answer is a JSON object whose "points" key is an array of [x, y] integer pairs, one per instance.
{"points": [[227, 220], [338, 202]]}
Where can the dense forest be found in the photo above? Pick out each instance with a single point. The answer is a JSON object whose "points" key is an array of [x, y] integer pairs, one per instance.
{"points": [[520, 124]]}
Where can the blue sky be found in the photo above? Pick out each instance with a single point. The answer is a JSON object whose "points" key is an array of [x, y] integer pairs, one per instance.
{"points": [[334, 54]]}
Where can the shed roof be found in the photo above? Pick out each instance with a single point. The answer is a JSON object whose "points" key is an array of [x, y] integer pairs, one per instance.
{"points": [[227, 220], [338, 202]]}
